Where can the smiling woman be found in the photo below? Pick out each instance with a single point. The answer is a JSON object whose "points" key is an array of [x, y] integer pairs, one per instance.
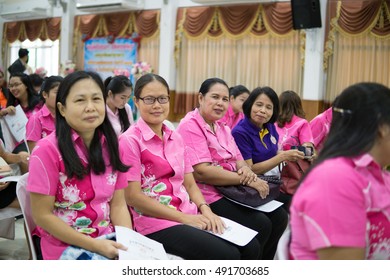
{"points": [[217, 161], [165, 200]]}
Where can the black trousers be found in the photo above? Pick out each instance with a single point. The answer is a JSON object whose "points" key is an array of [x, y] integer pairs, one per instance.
{"points": [[270, 226], [194, 244], [8, 195]]}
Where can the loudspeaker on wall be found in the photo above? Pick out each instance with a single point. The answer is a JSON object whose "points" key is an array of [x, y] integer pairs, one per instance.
{"points": [[306, 14]]}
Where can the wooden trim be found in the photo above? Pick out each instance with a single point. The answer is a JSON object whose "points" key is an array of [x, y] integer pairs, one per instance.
{"points": [[312, 108]]}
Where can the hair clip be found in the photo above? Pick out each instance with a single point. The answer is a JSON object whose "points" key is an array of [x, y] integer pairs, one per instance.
{"points": [[342, 111]]}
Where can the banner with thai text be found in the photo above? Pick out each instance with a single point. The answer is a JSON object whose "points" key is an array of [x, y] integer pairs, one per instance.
{"points": [[105, 57]]}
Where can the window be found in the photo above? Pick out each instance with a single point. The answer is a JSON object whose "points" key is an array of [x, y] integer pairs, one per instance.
{"points": [[41, 54]]}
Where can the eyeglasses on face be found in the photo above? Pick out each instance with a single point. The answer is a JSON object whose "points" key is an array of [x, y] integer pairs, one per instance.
{"points": [[14, 85], [149, 100]]}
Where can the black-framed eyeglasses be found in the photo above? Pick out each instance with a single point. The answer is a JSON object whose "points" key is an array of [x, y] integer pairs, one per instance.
{"points": [[149, 100], [14, 85]]}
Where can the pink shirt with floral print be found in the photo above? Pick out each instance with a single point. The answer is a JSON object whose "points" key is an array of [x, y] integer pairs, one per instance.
{"points": [[160, 166], [343, 202], [82, 204], [203, 145]]}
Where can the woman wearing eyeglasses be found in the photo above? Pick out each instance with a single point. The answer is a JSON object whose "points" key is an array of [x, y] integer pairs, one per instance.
{"points": [[23, 94], [166, 203]]}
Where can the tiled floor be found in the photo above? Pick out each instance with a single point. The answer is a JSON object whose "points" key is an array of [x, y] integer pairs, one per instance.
{"points": [[16, 249]]}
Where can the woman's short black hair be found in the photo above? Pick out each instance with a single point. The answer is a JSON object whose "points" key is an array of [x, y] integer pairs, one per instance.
{"points": [[247, 105], [238, 90], [146, 79]]}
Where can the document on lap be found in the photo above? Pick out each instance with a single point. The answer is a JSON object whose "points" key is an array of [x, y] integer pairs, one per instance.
{"points": [[139, 247], [236, 233], [268, 207], [17, 123]]}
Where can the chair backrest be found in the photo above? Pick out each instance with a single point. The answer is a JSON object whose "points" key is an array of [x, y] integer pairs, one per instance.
{"points": [[25, 205], [282, 251]]}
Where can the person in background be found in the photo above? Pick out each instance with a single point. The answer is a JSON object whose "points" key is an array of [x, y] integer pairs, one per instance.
{"points": [[165, 200], [23, 94], [341, 209], [117, 94], [257, 138], [36, 81], [20, 65], [237, 96], [292, 127], [42, 123], [217, 160], [320, 126], [81, 198], [8, 196]]}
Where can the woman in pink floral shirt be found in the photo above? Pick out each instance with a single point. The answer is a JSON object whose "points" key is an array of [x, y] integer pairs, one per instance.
{"points": [[341, 209], [76, 178], [165, 201]]}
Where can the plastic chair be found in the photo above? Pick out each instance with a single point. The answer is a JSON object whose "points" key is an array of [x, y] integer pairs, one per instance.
{"points": [[282, 251], [25, 205], [7, 222]]}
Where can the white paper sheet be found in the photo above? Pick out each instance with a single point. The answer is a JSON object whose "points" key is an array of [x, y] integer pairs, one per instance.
{"points": [[268, 207], [17, 123], [139, 247], [236, 233]]}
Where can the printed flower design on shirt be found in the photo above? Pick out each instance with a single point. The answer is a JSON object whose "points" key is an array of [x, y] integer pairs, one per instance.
{"points": [[106, 215], [152, 188], [379, 244], [67, 216], [71, 194], [82, 223], [111, 179]]}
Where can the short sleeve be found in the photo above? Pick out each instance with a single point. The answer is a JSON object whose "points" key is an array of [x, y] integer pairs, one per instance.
{"points": [[130, 154], [44, 169]]}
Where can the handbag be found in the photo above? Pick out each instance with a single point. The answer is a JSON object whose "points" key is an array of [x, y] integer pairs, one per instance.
{"points": [[291, 173], [249, 196]]}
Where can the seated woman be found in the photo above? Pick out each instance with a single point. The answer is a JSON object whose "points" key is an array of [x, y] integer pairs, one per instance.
{"points": [[341, 209], [292, 127], [166, 203], [257, 138], [21, 93], [216, 160], [237, 96], [80, 198], [117, 94], [294, 131], [42, 123], [320, 126]]}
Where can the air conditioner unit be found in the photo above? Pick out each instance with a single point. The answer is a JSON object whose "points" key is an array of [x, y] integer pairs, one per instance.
{"points": [[108, 5], [19, 13]]}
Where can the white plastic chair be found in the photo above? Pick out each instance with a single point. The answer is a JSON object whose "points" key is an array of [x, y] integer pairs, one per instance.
{"points": [[7, 222], [25, 205], [169, 124], [282, 251]]}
